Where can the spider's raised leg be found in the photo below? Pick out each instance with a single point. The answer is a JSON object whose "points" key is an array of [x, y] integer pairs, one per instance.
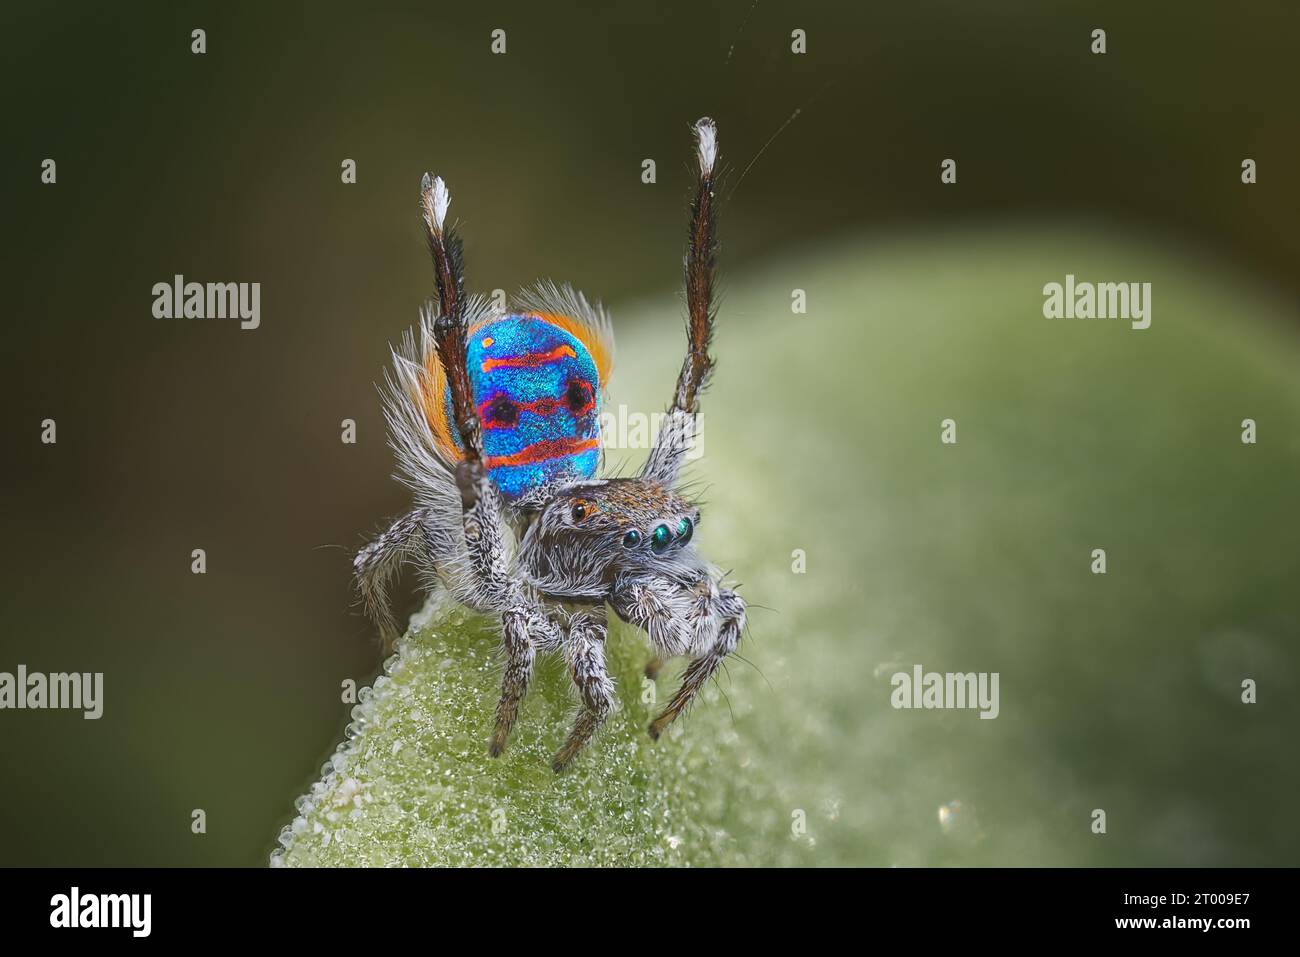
{"points": [[678, 429], [449, 329], [584, 651], [523, 624]]}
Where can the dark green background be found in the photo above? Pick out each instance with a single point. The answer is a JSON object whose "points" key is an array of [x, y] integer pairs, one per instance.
{"points": [[222, 690]]}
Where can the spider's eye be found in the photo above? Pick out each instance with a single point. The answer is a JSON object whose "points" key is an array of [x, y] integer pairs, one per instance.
{"points": [[660, 538], [503, 412], [579, 512], [632, 539], [577, 396], [685, 530]]}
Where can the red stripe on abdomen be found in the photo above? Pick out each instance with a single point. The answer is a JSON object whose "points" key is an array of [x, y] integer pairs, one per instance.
{"points": [[542, 452], [530, 360]]}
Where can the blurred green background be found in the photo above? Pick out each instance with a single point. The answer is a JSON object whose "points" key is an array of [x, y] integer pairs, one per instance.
{"points": [[222, 691]]}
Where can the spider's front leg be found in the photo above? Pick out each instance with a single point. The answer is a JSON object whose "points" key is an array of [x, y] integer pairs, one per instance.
{"points": [[727, 615], [584, 652], [698, 619]]}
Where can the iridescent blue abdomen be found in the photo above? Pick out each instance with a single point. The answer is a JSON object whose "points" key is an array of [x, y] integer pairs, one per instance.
{"points": [[536, 387]]}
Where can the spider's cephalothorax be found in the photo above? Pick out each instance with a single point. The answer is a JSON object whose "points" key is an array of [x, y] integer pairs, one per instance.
{"points": [[494, 416], [590, 535]]}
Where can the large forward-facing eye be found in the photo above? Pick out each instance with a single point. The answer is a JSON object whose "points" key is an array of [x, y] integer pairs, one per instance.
{"points": [[578, 396], [660, 538], [685, 529], [503, 412]]}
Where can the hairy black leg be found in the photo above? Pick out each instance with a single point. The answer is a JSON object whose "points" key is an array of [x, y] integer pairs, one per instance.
{"points": [[678, 430], [584, 651], [449, 329], [523, 624], [514, 682], [378, 562]]}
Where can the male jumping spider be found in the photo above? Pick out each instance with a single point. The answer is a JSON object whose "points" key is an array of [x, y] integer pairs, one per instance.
{"points": [[494, 420]]}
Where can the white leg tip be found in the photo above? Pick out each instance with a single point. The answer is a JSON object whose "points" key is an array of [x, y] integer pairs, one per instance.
{"points": [[436, 198], [706, 135]]}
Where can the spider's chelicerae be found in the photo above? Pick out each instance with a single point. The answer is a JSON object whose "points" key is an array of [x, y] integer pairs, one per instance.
{"points": [[494, 417]]}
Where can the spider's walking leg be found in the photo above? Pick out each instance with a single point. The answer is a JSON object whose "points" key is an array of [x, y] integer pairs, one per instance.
{"points": [[524, 624], [584, 651], [678, 430], [377, 563], [520, 652], [484, 534], [730, 610]]}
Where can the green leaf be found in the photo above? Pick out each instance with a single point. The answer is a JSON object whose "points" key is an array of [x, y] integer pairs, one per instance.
{"points": [[415, 784]]}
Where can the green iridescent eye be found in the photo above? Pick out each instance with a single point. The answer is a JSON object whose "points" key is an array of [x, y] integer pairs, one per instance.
{"points": [[632, 539], [685, 530], [660, 538]]}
